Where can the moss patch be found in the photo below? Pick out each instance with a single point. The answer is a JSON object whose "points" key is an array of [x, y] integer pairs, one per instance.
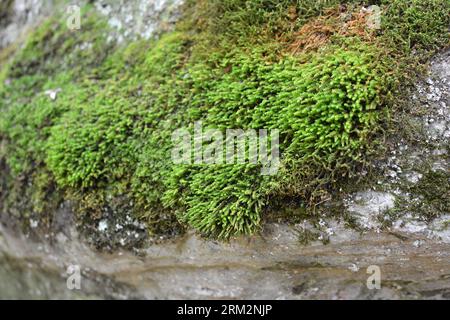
{"points": [[105, 140]]}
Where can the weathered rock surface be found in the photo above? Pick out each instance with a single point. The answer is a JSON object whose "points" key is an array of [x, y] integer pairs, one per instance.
{"points": [[271, 266]]}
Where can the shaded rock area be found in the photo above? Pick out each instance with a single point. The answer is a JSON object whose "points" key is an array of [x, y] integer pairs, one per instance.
{"points": [[17, 16], [130, 20]]}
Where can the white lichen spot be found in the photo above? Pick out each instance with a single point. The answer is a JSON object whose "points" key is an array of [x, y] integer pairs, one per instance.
{"points": [[353, 267], [103, 226], [34, 223], [413, 177], [418, 243]]}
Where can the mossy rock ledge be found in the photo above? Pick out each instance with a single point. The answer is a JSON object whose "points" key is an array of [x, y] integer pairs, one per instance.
{"points": [[88, 115]]}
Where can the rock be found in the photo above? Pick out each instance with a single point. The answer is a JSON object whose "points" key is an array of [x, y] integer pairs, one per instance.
{"points": [[367, 205]]}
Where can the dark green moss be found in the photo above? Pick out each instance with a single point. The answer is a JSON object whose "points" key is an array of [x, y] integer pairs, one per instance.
{"points": [[415, 26], [432, 193]]}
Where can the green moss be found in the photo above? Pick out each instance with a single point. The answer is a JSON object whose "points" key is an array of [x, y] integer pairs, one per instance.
{"points": [[431, 195], [425, 200], [114, 141], [325, 110], [53, 58], [106, 138], [416, 26]]}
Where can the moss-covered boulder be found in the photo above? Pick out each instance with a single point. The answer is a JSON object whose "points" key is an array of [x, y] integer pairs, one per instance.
{"points": [[87, 119]]}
